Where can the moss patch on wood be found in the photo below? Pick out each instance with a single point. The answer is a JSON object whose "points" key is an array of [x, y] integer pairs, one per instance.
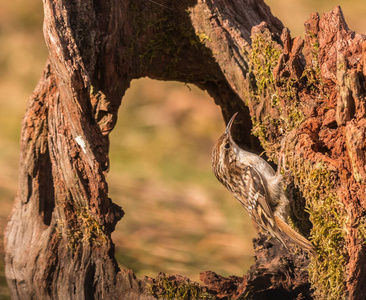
{"points": [[328, 216], [271, 96], [86, 229], [177, 287], [263, 58], [171, 38], [316, 181]]}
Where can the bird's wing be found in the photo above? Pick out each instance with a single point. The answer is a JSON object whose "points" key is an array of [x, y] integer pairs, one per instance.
{"points": [[255, 193]]}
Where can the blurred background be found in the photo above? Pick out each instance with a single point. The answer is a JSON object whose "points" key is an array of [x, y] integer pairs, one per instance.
{"points": [[179, 219]]}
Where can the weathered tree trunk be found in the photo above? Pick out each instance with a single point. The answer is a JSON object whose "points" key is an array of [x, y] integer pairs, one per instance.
{"points": [[312, 102]]}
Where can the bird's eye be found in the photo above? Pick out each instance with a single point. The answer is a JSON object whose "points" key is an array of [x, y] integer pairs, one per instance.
{"points": [[227, 146]]}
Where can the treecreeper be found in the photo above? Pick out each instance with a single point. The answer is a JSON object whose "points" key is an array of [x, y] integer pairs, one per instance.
{"points": [[252, 181]]}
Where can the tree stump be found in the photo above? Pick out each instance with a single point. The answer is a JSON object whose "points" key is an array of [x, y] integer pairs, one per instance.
{"points": [[304, 99]]}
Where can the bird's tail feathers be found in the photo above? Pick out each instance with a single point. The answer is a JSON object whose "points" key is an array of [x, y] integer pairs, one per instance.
{"points": [[297, 238]]}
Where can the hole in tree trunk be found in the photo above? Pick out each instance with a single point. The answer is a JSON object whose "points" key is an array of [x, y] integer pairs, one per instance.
{"points": [[179, 218]]}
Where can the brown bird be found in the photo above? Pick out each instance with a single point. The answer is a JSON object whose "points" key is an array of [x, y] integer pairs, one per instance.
{"points": [[258, 188]]}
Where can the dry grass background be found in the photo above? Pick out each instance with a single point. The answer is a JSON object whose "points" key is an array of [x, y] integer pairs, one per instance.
{"points": [[178, 217], [176, 220]]}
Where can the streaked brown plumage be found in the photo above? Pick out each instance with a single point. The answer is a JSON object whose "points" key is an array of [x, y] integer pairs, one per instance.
{"points": [[257, 187]]}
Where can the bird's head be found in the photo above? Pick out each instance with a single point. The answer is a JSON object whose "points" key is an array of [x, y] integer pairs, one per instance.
{"points": [[225, 149]]}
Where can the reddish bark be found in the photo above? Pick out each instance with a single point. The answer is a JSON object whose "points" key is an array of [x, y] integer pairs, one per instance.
{"points": [[333, 130]]}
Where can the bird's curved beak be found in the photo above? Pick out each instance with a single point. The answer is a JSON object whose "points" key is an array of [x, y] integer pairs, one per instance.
{"points": [[228, 127]]}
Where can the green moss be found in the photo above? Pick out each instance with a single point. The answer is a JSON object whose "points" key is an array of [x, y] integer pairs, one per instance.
{"points": [[85, 230], [294, 118], [92, 230], [361, 226], [315, 181], [203, 37], [260, 131], [312, 72], [263, 58], [171, 288], [328, 216], [170, 37]]}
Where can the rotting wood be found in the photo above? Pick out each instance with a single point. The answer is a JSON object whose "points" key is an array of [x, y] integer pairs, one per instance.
{"points": [[58, 238]]}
